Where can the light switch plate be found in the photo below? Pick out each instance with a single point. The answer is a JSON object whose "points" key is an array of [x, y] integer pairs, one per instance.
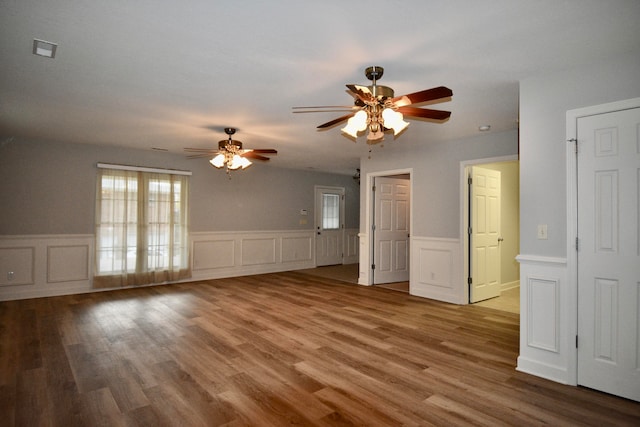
{"points": [[542, 231]]}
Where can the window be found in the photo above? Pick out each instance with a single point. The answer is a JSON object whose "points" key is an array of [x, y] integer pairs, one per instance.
{"points": [[141, 227], [330, 211]]}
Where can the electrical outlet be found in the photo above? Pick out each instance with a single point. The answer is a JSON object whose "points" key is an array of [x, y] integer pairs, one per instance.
{"points": [[10, 275], [542, 232]]}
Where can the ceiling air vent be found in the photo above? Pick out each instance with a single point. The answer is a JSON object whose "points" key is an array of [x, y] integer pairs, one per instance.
{"points": [[44, 48]]}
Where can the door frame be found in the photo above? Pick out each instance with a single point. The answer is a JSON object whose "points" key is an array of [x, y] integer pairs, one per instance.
{"points": [[464, 211], [367, 250], [572, 117]]}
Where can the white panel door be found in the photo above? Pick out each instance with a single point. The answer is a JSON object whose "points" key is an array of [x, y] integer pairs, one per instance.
{"points": [[485, 234], [608, 255], [329, 218], [391, 230]]}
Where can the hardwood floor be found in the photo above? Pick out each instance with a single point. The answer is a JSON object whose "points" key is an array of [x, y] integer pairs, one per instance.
{"points": [[275, 349]]}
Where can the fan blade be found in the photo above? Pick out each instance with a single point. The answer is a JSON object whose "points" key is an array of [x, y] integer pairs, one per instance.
{"points": [[336, 121], [361, 92], [252, 155], [201, 150], [264, 150], [202, 155], [333, 110], [323, 106], [424, 113], [433, 94]]}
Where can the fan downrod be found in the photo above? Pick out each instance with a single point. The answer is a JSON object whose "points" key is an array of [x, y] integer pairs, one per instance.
{"points": [[374, 73]]}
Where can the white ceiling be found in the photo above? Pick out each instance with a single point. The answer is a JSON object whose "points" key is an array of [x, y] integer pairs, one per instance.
{"points": [[171, 74]]}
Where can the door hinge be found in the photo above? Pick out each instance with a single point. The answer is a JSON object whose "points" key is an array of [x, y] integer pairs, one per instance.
{"points": [[373, 227], [576, 341], [469, 231], [469, 180], [373, 188], [373, 266], [575, 144], [469, 280], [577, 244]]}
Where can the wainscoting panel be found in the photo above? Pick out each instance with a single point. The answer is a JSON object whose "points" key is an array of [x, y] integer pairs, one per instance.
{"points": [[547, 328], [45, 265], [296, 249], [17, 266], [436, 269], [258, 251], [251, 252], [543, 323], [68, 263], [213, 254]]}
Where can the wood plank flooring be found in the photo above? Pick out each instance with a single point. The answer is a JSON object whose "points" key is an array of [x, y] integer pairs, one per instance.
{"points": [[272, 350]]}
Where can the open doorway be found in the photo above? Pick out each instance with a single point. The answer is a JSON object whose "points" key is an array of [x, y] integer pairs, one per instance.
{"points": [[490, 249]]}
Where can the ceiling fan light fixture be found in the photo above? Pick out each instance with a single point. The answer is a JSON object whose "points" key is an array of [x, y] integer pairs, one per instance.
{"points": [[218, 161], [245, 163], [394, 120], [356, 124]]}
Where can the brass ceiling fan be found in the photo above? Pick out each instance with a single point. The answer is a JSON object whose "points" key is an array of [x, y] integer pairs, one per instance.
{"points": [[230, 153], [378, 110]]}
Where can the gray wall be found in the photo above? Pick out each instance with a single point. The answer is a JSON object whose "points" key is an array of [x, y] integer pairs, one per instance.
{"points": [[49, 188], [436, 178], [544, 102]]}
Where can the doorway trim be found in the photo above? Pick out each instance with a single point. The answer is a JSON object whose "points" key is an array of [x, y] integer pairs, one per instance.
{"points": [[572, 217], [464, 211], [367, 246]]}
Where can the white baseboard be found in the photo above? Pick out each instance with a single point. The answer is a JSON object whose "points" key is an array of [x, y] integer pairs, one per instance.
{"points": [[509, 285]]}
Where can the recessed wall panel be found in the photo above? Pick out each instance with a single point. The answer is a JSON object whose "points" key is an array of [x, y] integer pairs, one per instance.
{"points": [[17, 266], [67, 263], [435, 267], [258, 251], [296, 249], [542, 311], [211, 254]]}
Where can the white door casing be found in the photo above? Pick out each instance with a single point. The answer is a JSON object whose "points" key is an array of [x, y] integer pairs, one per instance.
{"points": [[391, 230], [329, 226], [485, 234], [608, 258]]}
